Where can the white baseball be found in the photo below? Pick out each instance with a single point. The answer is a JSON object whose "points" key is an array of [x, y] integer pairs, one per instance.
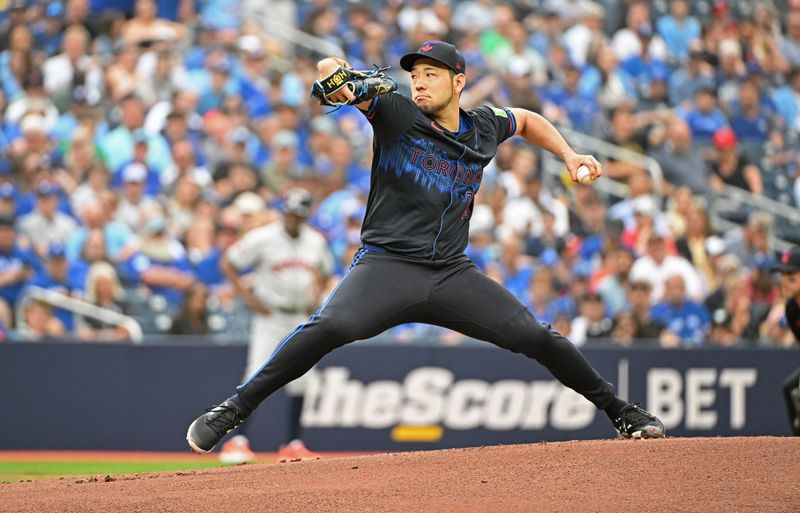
{"points": [[584, 176]]}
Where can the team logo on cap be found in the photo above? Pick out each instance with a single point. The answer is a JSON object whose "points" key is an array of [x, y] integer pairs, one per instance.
{"points": [[427, 47], [785, 257]]}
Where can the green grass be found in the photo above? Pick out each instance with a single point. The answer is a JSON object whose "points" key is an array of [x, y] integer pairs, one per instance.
{"points": [[14, 471]]}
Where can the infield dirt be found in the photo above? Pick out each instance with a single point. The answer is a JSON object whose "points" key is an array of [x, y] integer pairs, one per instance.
{"points": [[759, 474]]}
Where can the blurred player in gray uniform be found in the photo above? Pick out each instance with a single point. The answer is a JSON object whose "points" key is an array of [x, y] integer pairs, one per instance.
{"points": [[290, 263]]}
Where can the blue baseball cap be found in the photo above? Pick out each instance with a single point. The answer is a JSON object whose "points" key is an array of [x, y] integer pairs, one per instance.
{"points": [[47, 188], [7, 191], [54, 10], [56, 249]]}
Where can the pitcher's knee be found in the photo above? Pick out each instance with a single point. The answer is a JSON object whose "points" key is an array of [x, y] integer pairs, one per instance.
{"points": [[339, 329], [535, 338]]}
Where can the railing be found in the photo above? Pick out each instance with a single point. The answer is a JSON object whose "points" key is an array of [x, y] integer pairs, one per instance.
{"points": [[299, 38], [59, 300], [730, 198], [607, 149]]}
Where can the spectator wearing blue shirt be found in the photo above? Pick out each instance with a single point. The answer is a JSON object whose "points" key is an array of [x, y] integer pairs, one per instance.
{"points": [[749, 121], [686, 81], [118, 145], [705, 118], [17, 266], [116, 235], [93, 249], [686, 319], [203, 253], [580, 110], [679, 30], [218, 86], [54, 276], [515, 267], [253, 84], [787, 100], [152, 183], [50, 30], [159, 263]]}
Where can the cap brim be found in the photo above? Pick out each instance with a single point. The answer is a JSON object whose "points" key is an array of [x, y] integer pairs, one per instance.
{"points": [[408, 60]]}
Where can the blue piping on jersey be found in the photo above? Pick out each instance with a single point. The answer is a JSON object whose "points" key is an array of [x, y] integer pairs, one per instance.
{"points": [[441, 218], [356, 259]]}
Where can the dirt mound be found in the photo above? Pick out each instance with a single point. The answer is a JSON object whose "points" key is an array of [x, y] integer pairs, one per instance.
{"points": [[675, 474]]}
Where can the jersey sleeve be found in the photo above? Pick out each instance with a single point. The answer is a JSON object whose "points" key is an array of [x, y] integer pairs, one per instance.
{"points": [[390, 115], [500, 121], [244, 253]]}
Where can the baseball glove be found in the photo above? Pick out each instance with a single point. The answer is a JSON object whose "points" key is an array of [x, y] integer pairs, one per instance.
{"points": [[365, 85]]}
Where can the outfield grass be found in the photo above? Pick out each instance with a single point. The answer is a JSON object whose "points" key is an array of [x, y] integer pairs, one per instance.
{"points": [[14, 471]]}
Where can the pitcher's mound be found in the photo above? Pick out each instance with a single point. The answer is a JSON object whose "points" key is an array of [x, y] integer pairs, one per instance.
{"points": [[757, 474]]}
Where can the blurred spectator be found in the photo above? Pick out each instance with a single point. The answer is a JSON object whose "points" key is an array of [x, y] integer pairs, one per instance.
{"points": [[93, 249], [38, 323], [33, 100], [593, 323], [103, 289], [640, 304], [685, 318], [611, 282], [604, 79], [790, 43], [750, 121], [184, 165], [657, 267], [135, 205], [283, 169], [17, 266], [54, 275], [732, 167], [681, 162], [158, 261], [585, 34], [752, 238], [46, 224], [193, 317], [73, 66], [679, 29], [118, 145], [625, 133], [686, 82], [638, 33], [625, 328], [704, 117]]}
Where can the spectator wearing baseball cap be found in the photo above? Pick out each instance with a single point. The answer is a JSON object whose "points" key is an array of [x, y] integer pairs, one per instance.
{"points": [[17, 264], [140, 158], [704, 117], [134, 204], [46, 223], [731, 167], [54, 275]]}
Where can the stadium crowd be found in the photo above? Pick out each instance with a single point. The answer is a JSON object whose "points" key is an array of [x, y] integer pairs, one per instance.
{"points": [[139, 140]]}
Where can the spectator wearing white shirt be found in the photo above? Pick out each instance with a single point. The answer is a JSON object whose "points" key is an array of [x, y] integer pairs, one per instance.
{"points": [[627, 41], [135, 205], [46, 223], [656, 266]]}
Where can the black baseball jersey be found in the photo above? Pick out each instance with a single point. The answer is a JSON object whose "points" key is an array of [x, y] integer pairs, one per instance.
{"points": [[424, 177]]}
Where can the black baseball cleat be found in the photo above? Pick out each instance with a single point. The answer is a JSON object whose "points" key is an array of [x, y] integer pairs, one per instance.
{"points": [[634, 421], [209, 428]]}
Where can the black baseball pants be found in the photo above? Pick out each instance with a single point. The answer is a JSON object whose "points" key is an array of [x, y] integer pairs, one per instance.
{"points": [[791, 394], [382, 290]]}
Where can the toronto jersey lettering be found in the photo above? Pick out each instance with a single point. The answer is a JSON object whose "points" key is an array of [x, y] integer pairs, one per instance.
{"points": [[424, 178]]}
